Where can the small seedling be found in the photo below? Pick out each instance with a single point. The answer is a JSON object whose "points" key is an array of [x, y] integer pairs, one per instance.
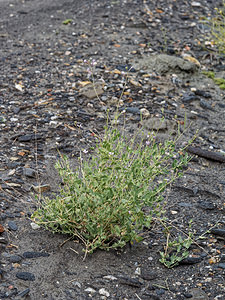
{"points": [[176, 250], [219, 81], [217, 28], [67, 21]]}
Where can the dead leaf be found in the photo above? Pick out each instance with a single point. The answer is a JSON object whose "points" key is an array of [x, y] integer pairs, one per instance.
{"points": [[160, 11], [70, 127], [83, 83], [21, 153], [2, 229]]}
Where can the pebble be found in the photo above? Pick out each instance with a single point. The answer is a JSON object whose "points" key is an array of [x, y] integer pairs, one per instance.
{"points": [[221, 265], [160, 292], [218, 231], [191, 260], [110, 277], [203, 94], [144, 112], [29, 137], [76, 284], [187, 295], [34, 226], [24, 293], [29, 172], [133, 110], [33, 254], [15, 258], [130, 281], [205, 104], [90, 290], [189, 97], [104, 292], [198, 294], [27, 276], [208, 205], [148, 275], [12, 226]]}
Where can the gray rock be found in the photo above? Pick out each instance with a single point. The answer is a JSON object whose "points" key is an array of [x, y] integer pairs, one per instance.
{"points": [[198, 294], [92, 91], [27, 276], [130, 281], [12, 226], [33, 254], [29, 137], [29, 172], [164, 64], [15, 258], [24, 293], [218, 231], [148, 275], [221, 265]]}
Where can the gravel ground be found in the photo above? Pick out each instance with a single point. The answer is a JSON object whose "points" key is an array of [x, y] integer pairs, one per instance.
{"points": [[46, 48]]}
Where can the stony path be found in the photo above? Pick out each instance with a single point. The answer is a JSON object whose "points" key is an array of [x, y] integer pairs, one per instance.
{"points": [[47, 105]]}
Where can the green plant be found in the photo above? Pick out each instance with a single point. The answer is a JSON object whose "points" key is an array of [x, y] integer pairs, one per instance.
{"points": [[67, 21], [103, 200], [219, 81], [176, 250], [217, 28]]}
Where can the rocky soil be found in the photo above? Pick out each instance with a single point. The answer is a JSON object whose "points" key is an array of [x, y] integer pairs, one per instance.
{"points": [[149, 57]]}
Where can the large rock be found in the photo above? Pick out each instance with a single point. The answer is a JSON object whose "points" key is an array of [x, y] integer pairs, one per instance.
{"points": [[163, 64]]}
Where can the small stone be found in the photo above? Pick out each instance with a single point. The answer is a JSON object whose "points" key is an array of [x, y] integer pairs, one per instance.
{"points": [[218, 231], [25, 276], [33, 254], [29, 172], [130, 281], [67, 53], [191, 260], [29, 137], [12, 226], [196, 4], [205, 104], [160, 292], [188, 97], [91, 91], [110, 277], [90, 290], [144, 112], [198, 294], [135, 83], [104, 292], [137, 271], [76, 284], [187, 295], [221, 265], [24, 293], [148, 275], [208, 205], [3, 240], [203, 94], [15, 258], [34, 226], [133, 110]]}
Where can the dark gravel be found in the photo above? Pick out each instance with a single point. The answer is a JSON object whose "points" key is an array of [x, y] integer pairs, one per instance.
{"points": [[46, 106]]}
